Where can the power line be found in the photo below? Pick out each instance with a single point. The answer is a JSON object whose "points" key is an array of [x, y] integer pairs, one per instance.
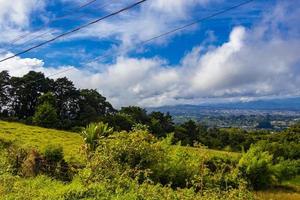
{"points": [[54, 20], [51, 31], [74, 30], [183, 27], [165, 33], [196, 21], [18, 38]]}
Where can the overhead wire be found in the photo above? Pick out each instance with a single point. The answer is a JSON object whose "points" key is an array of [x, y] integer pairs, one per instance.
{"points": [[54, 20], [52, 31], [168, 32], [74, 30], [182, 27]]}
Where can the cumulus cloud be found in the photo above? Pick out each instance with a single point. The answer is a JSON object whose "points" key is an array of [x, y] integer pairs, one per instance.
{"points": [[15, 17], [260, 61]]}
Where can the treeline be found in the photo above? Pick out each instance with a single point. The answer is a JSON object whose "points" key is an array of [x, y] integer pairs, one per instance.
{"points": [[36, 99]]}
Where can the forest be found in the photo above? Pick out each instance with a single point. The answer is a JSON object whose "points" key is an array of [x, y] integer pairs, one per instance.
{"points": [[60, 142]]}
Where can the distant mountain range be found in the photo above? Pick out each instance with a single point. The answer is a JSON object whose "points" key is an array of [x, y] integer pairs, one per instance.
{"points": [[287, 104]]}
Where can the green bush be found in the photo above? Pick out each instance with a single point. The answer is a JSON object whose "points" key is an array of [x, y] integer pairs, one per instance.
{"points": [[256, 167], [42, 187], [286, 169], [134, 152], [53, 154], [30, 163]]}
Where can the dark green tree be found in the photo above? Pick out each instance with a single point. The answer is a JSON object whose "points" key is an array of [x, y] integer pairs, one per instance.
{"points": [[192, 130], [67, 98], [46, 116], [24, 93], [160, 124], [47, 98], [92, 106], [4, 92], [139, 115], [120, 121]]}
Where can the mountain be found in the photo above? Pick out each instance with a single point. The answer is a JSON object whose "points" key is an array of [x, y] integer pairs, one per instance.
{"points": [[287, 104]]}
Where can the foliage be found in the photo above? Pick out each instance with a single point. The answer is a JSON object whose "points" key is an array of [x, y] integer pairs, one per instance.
{"points": [[45, 116], [120, 121], [93, 133], [133, 165], [256, 167], [23, 97], [54, 154], [30, 163], [123, 188]]}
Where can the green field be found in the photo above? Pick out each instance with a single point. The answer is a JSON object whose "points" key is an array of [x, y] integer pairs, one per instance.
{"points": [[35, 137]]}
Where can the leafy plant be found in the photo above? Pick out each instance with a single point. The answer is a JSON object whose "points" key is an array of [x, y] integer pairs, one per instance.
{"points": [[256, 166], [93, 133]]}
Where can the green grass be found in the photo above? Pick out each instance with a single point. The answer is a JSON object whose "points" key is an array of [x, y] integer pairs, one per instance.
{"points": [[293, 182], [25, 136], [211, 152], [36, 137]]}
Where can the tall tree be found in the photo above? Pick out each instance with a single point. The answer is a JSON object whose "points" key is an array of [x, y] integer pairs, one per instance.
{"points": [[92, 105], [24, 93], [67, 98], [139, 115], [161, 124], [4, 91]]}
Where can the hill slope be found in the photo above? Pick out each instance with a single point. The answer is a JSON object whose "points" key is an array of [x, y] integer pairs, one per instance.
{"points": [[36, 137]]}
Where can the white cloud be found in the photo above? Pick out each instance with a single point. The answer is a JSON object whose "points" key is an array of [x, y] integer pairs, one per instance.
{"points": [[15, 17], [260, 61], [151, 18]]}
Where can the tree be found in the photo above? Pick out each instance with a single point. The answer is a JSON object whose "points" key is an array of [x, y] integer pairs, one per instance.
{"points": [[92, 106], [192, 130], [24, 93], [67, 98], [161, 124], [46, 116], [265, 124], [47, 98], [139, 115], [4, 91], [120, 121], [181, 134]]}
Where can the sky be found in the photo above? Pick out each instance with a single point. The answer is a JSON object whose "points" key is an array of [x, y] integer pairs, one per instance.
{"points": [[246, 54]]}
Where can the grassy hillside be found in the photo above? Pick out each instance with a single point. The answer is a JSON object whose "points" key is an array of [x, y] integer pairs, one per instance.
{"points": [[36, 137]]}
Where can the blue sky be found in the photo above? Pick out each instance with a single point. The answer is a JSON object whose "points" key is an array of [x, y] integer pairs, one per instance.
{"points": [[176, 47], [245, 54]]}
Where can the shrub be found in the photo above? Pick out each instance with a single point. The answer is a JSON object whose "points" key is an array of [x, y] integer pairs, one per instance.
{"points": [[16, 157], [287, 169], [256, 167], [134, 152], [53, 154], [93, 133], [32, 165], [55, 165]]}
